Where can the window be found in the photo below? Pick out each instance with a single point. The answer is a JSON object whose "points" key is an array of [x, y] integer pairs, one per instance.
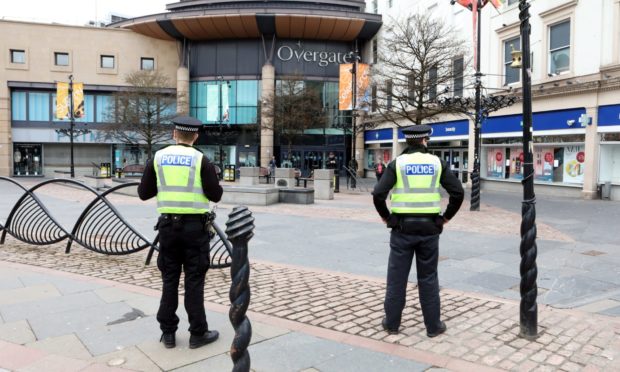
{"points": [[38, 106], [18, 105], [373, 94], [457, 71], [511, 75], [375, 6], [432, 83], [559, 48], [231, 102], [389, 3], [105, 109], [411, 89], [18, 56], [147, 63], [375, 51], [388, 93], [511, 2], [107, 61], [61, 59]]}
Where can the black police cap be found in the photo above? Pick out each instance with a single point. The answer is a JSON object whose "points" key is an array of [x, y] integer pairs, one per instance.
{"points": [[418, 131], [186, 124]]}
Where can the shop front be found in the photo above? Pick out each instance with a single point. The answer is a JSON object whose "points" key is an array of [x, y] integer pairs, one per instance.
{"points": [[558, 148], [609, 154], [379, 149], [27, 159]]}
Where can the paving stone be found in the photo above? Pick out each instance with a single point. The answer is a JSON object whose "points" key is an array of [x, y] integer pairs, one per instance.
{"points": [[18, 332], [55, 363], [26, 294], [48, 306], [132, 358], [69, 346]]}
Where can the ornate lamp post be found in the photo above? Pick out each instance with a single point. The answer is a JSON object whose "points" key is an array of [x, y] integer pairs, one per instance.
{"points": [[529, 309]]}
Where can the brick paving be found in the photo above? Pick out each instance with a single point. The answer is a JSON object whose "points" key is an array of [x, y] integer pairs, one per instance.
{"points": [[481, 330]]}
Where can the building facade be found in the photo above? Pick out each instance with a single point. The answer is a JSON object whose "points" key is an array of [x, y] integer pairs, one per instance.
{"points": [[575, 73], [225, 60]]}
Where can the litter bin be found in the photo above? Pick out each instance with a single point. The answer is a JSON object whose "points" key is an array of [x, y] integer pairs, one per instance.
{"points": [[229, 173], [606, 191], [105, 170]]}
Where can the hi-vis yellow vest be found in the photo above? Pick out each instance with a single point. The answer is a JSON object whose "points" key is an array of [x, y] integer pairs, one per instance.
{"points": [[417, 184], [179, 185]]}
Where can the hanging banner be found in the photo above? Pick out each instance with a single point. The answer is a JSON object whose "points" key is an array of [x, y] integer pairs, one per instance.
{"points": [[62, 101], [345, 87], [574, 164], [225, 107], [213, 103], [78, 100]]}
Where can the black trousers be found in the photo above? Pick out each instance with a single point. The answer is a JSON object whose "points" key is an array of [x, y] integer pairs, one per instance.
{"points": [[184, 245], [403, 248]]}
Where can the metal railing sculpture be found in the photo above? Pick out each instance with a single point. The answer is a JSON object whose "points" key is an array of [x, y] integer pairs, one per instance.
{"points": [[99, 228]]}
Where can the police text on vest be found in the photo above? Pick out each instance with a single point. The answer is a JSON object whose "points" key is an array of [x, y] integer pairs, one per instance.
{"points": [[180, 160], [419, 169]]}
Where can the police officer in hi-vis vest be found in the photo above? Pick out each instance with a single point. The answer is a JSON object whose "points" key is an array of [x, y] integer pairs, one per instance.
{"points": [[416, 221], [184, 181]]}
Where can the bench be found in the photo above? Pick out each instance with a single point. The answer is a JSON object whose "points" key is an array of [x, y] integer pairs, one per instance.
{"points": [[133, 170], [304, 179], [263, 173]]}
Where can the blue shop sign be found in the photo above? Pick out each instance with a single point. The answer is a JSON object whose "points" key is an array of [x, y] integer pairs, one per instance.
{"points": [[609, 115], [378, 135], [445, 129], [541, 121]]}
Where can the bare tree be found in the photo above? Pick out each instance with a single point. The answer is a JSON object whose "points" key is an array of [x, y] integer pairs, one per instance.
{"points": [[142, 112], [297, 107], [419, 55]]}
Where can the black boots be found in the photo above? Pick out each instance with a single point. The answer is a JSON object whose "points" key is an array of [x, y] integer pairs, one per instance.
{"points": [[442, 328], [168, 339], [390, 331], [207, 338]]}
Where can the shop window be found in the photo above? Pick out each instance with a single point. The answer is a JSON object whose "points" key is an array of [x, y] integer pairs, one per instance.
{"points": [[609, 160], [147, 64], [512, 75], [107, 61], [559, 48], [457, 71], [38, 106], [105, 109], [61, 59], [27, 160], [18, 105], [18, 56], [376, 156]]}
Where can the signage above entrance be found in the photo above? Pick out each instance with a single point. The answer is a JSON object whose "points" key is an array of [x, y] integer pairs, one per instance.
{"points": [[299, 53]]}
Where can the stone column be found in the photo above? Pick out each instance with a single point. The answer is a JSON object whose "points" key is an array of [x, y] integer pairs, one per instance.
{"points": [[183, 90], [266, 126], [323, 184], [6, 156], [397, 147], [471, 145], [592, 146]]}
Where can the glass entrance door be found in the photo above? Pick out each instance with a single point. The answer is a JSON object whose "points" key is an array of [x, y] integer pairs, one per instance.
{"points": [[27, 160]]}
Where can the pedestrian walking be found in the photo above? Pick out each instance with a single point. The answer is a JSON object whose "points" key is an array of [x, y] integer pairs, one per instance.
{"points": [[379, 169], [184, 181], [416, 222], [272, 168]]}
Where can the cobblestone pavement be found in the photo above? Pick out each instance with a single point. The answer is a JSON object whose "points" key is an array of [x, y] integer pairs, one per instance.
{"points": [[481, 330]]}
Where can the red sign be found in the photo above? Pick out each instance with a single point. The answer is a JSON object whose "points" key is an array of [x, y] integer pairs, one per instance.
{"points": [[521, 157], [581, 156], [498, 156], [549, 157]]}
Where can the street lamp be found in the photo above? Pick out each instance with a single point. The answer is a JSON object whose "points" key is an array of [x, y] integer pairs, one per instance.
{"points": [[220, 81], [528, 314], [353, 164], [72, 132]]}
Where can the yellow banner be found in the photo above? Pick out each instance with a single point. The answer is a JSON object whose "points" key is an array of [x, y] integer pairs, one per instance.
{"points": [[62, 101], [345, 87], [78, 100]]}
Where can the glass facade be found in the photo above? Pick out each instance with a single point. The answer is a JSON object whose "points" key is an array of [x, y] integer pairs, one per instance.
{"points": [[227, 102], [38, 106], [41, 106]]}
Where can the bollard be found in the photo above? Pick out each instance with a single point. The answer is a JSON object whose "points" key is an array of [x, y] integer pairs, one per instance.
{"points": [[239, 229]]}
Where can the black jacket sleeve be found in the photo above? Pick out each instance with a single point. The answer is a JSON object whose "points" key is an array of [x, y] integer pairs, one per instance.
{"points": [[454, 188], [382, 190], [210, 184], [148, 184]]}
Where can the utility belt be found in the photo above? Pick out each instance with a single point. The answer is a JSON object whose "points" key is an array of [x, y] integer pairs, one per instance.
{"points": [[178, 220], [419, 225]]}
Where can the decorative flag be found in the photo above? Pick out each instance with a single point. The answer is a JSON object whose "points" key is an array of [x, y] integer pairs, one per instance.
{"points": [[224, 103], [345, 87], [473, 6], [78, 100], [62, 101]]}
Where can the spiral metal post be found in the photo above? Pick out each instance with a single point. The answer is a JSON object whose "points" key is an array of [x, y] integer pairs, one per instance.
{"points": [[529, 291], [239, 228], [475, 176]]}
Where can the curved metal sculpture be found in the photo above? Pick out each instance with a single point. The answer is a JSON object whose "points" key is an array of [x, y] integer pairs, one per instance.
{"points": [[100, 227], [239, 228]]}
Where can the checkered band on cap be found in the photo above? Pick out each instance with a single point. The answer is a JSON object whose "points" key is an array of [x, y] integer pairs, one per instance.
{"points": [[183, 128], [418, 131]]}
